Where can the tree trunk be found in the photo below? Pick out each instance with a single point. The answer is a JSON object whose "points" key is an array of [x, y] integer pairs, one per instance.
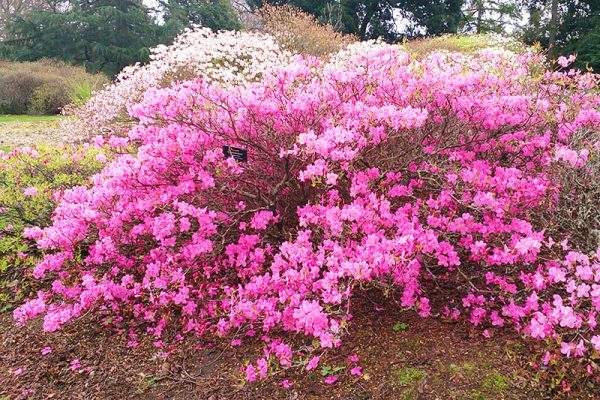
{"points": [[479, 11], [552, 30], [365, 22]]}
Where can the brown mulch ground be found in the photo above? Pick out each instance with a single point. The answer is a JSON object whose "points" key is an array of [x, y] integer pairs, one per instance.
{"points": [[425, 359]]}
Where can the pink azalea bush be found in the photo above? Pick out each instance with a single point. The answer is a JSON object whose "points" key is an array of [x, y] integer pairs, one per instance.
{"points": [[371, 170]]}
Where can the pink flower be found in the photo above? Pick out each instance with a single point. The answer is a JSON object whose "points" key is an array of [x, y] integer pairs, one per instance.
{"points": [[29, 310], [565, 62], [30, 191], [75, 364], [313, 363], [423, 307], [596, 342], [332, 178], [286, 383], [263, 366], [311, 318], [18, 372], [46, 350], [261, 219], [356, 371], [547, 358], [580, 349], [101, 158], [331, 379], [353, 358], [250, 373], [527, 244], [567, 348]]}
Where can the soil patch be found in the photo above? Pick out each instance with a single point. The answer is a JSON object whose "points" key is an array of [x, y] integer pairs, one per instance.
{"points": [[402, 357], [30, 132]]}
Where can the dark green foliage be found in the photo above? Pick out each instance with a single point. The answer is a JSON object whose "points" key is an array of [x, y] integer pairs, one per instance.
{"points": [[214, 14], [438, 17], [579, 32], [102, 35], [369, 19], [587, 44], [577, 28], [484, 16], [106, 35]]}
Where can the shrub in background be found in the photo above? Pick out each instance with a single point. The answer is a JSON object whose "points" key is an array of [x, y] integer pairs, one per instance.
{"points": [[49, 98], [30, 183], [227, 58], [41, 87], [300, 32], [467, 44], [82, 90], [577, 213]]}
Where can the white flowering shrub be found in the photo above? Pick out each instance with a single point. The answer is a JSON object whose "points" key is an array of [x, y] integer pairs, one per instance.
{"points": [[229, 58]]}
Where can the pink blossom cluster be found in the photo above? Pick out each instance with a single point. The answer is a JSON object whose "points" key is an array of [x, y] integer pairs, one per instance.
{"points": [[371, 170]]}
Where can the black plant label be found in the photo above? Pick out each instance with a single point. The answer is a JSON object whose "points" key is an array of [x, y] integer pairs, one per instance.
{"points": [[237, 153]]}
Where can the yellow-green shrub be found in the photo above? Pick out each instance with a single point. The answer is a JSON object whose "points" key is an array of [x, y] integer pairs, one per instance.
{"points": [[463, 44], [41, 87], [23, 172], [301, 33]]}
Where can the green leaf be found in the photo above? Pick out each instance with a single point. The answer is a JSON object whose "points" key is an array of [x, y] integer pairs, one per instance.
{"points": [[400, 326], [326, 370]]}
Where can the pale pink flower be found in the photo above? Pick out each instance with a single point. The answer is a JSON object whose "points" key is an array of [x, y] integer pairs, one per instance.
{"points": [[30, 191]]}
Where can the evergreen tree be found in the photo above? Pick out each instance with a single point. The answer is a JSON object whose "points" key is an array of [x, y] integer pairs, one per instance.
{"points": [[566, 27], [437, 17], [102, 35], [579, 33], [214, 14], [483, 16]]}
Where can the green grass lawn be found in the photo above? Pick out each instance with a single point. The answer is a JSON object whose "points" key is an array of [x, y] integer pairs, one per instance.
{"points": [[29, 118]]}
